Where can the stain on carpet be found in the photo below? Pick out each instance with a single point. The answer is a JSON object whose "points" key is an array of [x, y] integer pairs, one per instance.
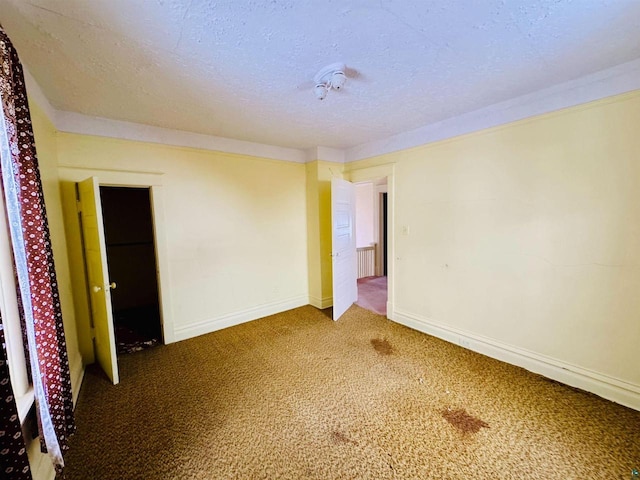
{"points": [[382, 346], [464, 422], [389, 462], [339, 437]]}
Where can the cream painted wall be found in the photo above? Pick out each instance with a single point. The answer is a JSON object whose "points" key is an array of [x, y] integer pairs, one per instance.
{"points": [[365, 234], [523, 241], [318, 182], [236, 230], [44, 133], [313, 235]]}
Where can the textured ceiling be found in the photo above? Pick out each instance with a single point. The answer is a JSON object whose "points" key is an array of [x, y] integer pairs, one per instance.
{"points": [[243, 69]]}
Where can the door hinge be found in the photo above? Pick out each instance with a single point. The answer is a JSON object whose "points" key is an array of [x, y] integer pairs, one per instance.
{"points": [[78, 206], [93, 333]]}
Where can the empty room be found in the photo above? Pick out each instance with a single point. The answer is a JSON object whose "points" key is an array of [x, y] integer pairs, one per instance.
{"points": [[319, 240]]}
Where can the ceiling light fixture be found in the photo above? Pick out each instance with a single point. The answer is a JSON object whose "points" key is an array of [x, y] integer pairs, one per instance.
{"points": [[330, 77]]}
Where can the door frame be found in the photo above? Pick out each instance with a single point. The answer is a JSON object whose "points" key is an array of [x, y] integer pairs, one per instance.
{"points": [[371, 174], [97, 276], [69, 176]]}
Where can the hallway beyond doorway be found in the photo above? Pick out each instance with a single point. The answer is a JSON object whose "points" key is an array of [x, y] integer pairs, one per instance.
{"points": [[372, 294]]}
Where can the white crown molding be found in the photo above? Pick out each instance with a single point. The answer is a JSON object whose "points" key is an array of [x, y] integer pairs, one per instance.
{"points": [[325, 154], [72, 122], [613, 81]]}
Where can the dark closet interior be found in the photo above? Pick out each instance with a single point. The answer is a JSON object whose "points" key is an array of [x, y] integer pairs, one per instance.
{"points": [[384, 233], [128, 228]]}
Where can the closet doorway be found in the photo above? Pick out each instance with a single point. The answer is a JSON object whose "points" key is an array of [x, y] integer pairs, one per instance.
{"points": [[131, 257]]}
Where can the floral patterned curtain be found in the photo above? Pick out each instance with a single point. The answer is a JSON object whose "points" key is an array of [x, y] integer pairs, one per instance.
{"points": [[33, 257], [14, 464]]}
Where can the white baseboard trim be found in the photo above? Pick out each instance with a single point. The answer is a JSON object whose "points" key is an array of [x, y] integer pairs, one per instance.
{"points": [[611, 388], [320, 303], [77, 376], [40, 463], [236, 318]]}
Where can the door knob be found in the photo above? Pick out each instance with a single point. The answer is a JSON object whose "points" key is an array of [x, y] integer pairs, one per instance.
{"points": [[112, 285], [96, 289]]}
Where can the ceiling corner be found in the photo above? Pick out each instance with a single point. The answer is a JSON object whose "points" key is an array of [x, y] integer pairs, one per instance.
{"points": [[35, 93]]}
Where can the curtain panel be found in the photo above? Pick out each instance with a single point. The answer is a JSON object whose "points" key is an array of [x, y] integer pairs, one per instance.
{"points": [[14, 464], [33, 257]]}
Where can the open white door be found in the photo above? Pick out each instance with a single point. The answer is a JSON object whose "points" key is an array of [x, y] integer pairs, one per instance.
{"points": [[95, 253], [343, 250]]}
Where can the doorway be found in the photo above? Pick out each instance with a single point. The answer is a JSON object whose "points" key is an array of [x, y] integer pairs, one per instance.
{"points": [[130, 248], [371, 236]]}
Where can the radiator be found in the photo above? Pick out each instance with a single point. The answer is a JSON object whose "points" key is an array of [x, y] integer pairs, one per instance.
{"points": [[366, 261]]}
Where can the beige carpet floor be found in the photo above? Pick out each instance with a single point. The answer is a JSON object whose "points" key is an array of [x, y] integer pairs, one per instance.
{"points": [[297, 396]]}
